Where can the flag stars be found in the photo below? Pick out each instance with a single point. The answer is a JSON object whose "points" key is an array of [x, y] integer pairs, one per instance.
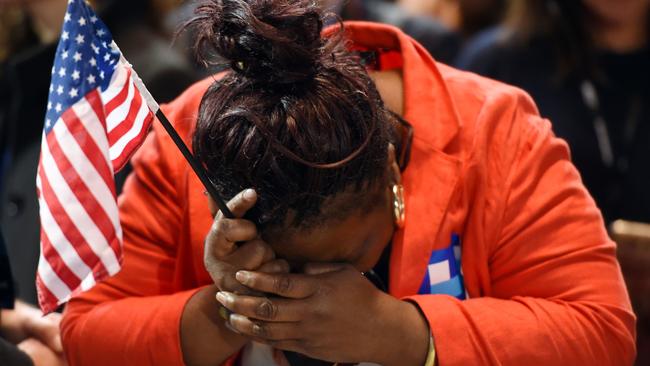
{"points": [[77, 56], [73, 92], [62, 71], [52, 86], [93, 19], [95, 48], [79, 39], [49, 105], [59, 90], [65, 35], [82, 21], [58, 108], [92, 61], [100, 32], [48, 123], [101, 75], [91, 79], [75, 74], [107, 56], [67, 17], [64, 54]]}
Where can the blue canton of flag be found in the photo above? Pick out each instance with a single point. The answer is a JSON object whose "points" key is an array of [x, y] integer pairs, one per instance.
{"points": [[85, 59], [444, 274], [97, 115]]}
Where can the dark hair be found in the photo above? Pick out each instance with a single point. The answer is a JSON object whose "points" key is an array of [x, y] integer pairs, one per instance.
{"points": [[298, 118]]}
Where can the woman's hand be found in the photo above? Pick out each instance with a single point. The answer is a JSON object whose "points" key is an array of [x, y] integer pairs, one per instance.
{"points": [[230, 246], [234, 244], [330, 313]]}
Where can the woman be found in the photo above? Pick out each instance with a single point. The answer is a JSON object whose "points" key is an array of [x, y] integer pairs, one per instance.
{"points": [[585, 63], [310, 145]]}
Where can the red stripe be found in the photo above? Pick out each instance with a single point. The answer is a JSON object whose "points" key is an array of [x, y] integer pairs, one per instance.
{"points": [[133, 145], [119, 99], [93, 153], [56, 262], [84, 195], [66, 224], [46, 299], [125, 125], [95, 101]]}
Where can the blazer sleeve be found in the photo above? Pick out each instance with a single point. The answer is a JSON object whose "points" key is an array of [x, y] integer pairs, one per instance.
{"points": [[133, 317], [556, 293]]}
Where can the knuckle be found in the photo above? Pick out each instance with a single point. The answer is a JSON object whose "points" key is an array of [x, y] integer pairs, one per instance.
{"points": [[266, 310], [283, 265], [282, 284], [224, 226]]}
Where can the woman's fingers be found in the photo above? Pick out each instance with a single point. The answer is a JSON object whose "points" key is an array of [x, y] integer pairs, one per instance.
{"points": [[263, 330], [263, 308], [225, 232], [296, 286], [251, 255], [242, 202]]}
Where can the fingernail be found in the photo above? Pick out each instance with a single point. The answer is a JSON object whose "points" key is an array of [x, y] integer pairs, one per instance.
{"points": [[249, 194], [229, 326], [243, 276], [224, 297], [237, 318]]}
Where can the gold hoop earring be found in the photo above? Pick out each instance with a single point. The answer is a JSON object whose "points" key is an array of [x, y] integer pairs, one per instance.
{"points": [[399, 209]]}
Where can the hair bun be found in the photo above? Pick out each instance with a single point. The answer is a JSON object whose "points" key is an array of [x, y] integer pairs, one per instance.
{"points": [[273, 41]]}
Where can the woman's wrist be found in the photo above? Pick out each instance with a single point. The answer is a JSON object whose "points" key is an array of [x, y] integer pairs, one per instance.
{"points": [[205, 339], [406, 334]]}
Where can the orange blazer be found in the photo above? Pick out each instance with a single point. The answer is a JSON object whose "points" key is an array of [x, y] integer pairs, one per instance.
{"points": [[540, 278]]}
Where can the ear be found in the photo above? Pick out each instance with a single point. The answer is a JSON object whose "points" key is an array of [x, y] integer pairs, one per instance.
{"points": [[394, 173]]}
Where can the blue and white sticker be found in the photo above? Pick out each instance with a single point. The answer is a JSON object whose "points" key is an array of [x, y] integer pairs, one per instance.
{"points": [[444, 274]]}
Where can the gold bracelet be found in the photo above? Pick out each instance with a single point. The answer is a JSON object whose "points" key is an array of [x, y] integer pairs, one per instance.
{"points": [[431, 356]]}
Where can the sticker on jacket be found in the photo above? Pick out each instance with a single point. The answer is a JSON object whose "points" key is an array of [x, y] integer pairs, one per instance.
{"points": [[444, 274]]}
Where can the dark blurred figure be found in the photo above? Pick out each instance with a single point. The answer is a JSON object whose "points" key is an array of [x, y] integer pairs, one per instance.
{"points": [[466, 17], [29, 31], [441, 26], [587, 65]]}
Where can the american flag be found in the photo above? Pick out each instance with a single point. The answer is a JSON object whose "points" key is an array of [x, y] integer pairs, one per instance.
{"points": [[97, 114]]}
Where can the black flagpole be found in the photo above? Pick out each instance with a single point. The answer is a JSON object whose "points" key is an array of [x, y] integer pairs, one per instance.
{"points": [[196, 166], [199, 170]]}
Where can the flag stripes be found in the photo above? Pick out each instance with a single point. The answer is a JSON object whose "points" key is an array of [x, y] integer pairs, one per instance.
{"points": [[95, 119]]}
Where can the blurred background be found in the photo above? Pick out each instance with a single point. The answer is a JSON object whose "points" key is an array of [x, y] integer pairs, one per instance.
{"points": [[585, 62]]}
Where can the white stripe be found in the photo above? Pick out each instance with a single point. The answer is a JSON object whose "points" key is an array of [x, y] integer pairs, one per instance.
{"points": [[117, 116], [95, 128], [71, 205], [60, 243], [51, 280], [88, 282], [118, 147], [88, 173], [116, 84]]}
